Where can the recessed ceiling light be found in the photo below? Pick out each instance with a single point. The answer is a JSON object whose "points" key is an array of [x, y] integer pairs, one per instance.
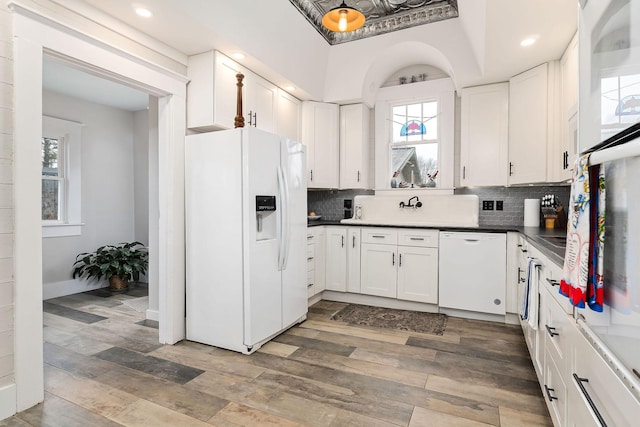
{"points": [[144, 12], [290, 88], [238, 55], [528, 41]]}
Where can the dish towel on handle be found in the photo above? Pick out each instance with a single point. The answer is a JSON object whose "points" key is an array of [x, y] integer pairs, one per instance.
{"points": [[529, 303], [582, 279]]}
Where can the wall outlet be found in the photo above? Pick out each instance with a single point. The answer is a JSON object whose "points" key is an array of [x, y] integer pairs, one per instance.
{"points": [[499, 205], [487, 205]]}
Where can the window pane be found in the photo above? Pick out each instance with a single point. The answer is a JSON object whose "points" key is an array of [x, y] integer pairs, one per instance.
{"points": [[414, 164], [415, 122], [50, 200], [50, 148]]}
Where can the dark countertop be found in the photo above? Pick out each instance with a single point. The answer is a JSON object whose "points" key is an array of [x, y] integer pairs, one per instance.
{"points": [[534, 235]]}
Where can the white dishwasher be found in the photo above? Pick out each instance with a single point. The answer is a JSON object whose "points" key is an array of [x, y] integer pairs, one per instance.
{"points": [[472, 271]]}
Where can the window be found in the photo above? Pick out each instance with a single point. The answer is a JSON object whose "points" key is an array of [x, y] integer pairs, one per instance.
{"points": [[61, 176], [53, 179], [414, 145]]}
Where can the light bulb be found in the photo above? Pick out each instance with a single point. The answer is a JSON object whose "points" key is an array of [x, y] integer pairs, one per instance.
{"points": [[342, 22]]}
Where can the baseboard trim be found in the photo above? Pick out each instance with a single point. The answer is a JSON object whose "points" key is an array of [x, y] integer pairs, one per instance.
{"points": [[379, 301], [153, 315], [69, 287], [8, 401]]}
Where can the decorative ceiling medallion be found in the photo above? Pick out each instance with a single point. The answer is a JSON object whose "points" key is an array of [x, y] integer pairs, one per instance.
{"points": [[382, 16]]}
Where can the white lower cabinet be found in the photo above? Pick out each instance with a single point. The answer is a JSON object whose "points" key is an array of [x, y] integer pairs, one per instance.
{"points": [[379, 272], [315, 260], [342, 268], [407, 271]]}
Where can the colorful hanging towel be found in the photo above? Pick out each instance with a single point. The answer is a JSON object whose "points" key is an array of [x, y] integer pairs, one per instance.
{"points": [[582, 273], [529, 303]]}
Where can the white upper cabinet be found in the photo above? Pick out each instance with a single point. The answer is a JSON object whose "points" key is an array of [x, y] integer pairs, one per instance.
{"points": [[484, 151], [260, 104], [567, 150], [212, 98], [288, 117], [354, 146], [532, 117], [212, 91], [320, 134]]}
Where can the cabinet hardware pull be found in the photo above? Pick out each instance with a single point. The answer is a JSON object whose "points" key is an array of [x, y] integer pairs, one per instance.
{"points": [[510, 168], [310, 237], [377, 236], [552, 331], [358, 176], [309, 285], [416, 238], [342, 241], [400, 261], [520, 278], [393, 259], [464, 172], [523, 250], [250, 115], [585, 393], [309, 258], [255, 120], [354, 242], [549, 390], [553, 282]]}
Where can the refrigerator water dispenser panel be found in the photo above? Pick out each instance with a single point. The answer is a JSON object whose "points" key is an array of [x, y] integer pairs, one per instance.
{"points": [[265, 203], [266, 220]]}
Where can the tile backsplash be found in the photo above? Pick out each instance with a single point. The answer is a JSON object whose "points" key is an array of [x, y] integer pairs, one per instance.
{"points": [[513, 200], [330, 203]]}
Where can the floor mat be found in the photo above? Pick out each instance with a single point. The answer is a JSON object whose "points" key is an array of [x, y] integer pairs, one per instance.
{"points": [[388, 318]]}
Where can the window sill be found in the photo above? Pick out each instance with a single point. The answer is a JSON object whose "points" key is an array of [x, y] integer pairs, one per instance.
{"points": [[61, 230]]}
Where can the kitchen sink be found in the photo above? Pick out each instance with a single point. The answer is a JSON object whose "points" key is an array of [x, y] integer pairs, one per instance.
{"points": [[557, 241]]}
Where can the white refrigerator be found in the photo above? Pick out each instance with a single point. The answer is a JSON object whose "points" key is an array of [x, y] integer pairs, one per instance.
{"points": [[246, 204]]}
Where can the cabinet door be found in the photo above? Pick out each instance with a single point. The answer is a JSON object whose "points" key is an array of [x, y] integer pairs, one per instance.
{"points": [[484, 156], [354, 146], [418, 274], [288, 116], [336, 260], [261, 103], [321, 136], [528, 126], [566, 155], [353, 260], [554, 392], [379, 270], [226, 91]]}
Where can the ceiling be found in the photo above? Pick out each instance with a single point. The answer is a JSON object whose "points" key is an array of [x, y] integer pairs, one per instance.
{"points": [[382, 16], [280, 43]]}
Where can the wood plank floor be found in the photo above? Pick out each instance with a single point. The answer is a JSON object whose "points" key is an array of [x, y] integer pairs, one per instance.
{"points": [[104, 367]]}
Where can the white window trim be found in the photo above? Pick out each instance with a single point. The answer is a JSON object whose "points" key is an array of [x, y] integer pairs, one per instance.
{"points": [[441, 90], [71, 132]]}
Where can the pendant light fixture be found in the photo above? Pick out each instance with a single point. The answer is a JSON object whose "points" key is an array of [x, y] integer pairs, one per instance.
{"points": [[343, 19]]}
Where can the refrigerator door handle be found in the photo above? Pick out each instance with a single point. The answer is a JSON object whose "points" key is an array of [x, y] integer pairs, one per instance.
{"points": [[286, 226], [284, 219]]}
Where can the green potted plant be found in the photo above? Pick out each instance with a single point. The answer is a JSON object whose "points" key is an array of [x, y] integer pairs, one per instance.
{"points": [[117, 263]]}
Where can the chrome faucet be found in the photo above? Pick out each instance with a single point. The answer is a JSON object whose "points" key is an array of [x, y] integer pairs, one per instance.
{"points": [[410, 205]]}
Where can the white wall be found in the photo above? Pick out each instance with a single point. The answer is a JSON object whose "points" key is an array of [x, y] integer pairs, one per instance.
{"points": [[141, 175], [108, 184], [7, 386]]}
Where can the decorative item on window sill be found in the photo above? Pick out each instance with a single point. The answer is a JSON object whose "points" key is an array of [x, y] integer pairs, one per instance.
{"points": [[343, 19], [431, 180]]}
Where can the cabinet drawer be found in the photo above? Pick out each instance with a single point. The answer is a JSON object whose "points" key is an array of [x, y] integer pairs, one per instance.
{"points": [[557, 327], [421, 238], [381, 236], [551, 280], [612, 399], [311, 257], [554, 392]]}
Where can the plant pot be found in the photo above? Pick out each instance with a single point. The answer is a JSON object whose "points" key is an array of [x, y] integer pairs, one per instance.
{"points": [[118, 284]]}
